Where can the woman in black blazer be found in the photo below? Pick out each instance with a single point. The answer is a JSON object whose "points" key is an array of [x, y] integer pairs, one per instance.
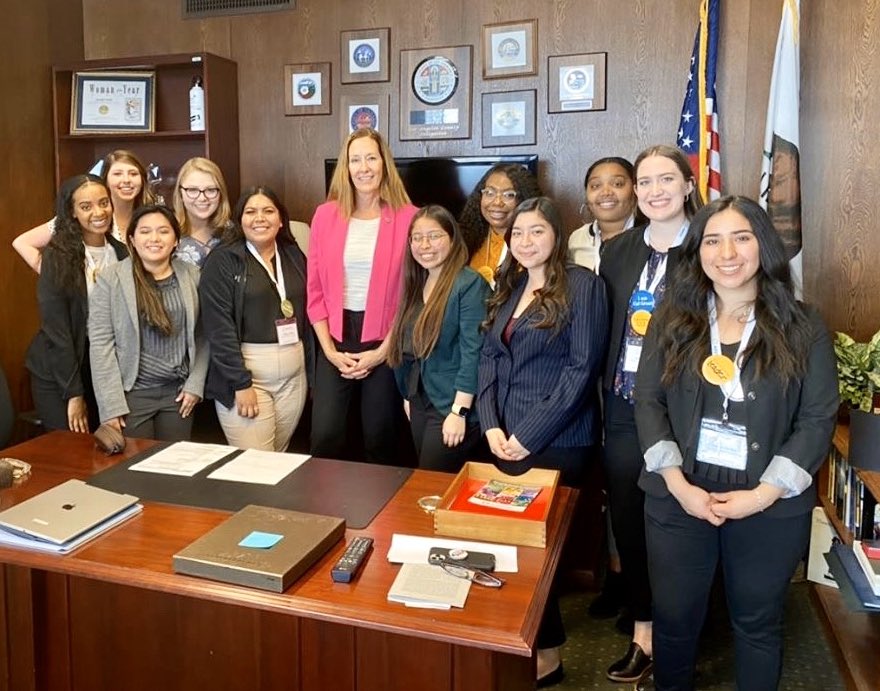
{"points": [[545, 343], [635, 266], [58, 357], [435, 341], [736, 401]]}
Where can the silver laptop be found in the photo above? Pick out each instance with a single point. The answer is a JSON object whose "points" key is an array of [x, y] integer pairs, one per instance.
{"points": [[60, 514]]}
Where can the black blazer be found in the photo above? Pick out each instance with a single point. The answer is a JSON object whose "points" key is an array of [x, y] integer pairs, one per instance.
{"points": [[542, 387], [60, 351], [221, 294], [795, 422], [623, 258]]}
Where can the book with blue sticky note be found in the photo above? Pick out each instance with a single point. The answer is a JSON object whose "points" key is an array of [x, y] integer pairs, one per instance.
{"points": [[261, 547]]}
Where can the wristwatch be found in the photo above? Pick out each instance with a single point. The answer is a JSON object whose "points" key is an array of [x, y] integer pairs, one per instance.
{"points": [[460, 410]]}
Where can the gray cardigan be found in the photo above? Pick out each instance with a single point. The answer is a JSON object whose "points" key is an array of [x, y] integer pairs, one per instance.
{"points": [[114, 335]]}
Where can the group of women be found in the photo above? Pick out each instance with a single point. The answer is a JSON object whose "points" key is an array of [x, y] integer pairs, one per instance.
{"points": [[492, 335]]}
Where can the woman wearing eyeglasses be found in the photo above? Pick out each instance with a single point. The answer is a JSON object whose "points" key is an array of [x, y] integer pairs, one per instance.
{"points": [[201, 204], [435, 341], [488, 215]]}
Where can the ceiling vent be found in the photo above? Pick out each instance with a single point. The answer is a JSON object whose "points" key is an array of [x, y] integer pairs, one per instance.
{"points": [[199, 9]]}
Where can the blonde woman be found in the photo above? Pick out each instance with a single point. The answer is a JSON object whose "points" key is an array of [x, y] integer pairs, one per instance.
{"points": [[201, 204]]}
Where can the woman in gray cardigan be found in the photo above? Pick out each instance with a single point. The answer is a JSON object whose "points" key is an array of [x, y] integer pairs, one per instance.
{"points": [[147, 355]]}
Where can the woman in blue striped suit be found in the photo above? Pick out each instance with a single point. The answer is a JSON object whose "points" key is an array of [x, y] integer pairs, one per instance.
{"points": [[545, 343]]}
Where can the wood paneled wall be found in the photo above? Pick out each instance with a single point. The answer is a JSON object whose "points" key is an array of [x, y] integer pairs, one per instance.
{"points": [[648, 45], [36, 34]]}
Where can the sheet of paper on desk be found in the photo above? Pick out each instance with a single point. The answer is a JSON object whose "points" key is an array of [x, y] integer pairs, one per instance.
{"points": [[260, 467], [183, 458], [413, 549], [428, 586]]}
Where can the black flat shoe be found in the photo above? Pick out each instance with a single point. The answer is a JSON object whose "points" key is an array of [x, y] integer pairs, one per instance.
{"points": [[646, 683], [551, 678], [631, 667]]}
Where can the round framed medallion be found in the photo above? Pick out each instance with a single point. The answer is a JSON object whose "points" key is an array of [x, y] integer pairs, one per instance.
{"points": [[306, 87], [364, 117], [363, 55], [435, 80]]}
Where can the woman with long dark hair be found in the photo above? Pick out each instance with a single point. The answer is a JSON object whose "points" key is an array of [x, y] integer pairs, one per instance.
{"points": [[253, 296], [736, 402], [125, 178], [435, 341], [488, 213], [545, 342], [356, 249], [58, 357], [147, 353], [636, 266]]}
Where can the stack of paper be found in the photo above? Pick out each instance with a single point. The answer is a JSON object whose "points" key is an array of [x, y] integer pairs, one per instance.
{"points": [[428, 586]]}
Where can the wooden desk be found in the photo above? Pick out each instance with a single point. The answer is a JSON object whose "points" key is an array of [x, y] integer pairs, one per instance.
{"points": [[114, 616]]}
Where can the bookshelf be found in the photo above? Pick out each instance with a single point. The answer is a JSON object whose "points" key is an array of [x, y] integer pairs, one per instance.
{"points": [[856, 635], [172, 142]]}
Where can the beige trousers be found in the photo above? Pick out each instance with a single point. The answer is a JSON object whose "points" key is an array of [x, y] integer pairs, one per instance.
{"points": [[279, 378]]}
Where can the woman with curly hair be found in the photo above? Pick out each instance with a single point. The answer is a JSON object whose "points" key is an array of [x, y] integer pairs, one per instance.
{"points": [[58, 357], [126, 179], [488, 214]]}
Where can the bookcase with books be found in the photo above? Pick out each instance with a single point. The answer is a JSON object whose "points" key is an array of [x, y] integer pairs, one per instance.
{"points": [[849, 497]]}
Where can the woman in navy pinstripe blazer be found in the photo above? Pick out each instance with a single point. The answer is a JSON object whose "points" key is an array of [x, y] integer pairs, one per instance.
{"points": [[547, 332]]}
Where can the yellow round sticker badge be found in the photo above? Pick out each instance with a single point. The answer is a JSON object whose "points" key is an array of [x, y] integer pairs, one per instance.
{"points": [[718, 369], [639, 321]]}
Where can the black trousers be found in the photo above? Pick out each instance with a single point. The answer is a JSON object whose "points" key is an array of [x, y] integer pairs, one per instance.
{"points": [[758, 556], [52, 408], [426, 424], [381, 403], [623, 463]]}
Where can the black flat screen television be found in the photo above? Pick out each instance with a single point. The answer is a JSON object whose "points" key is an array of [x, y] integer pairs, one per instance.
{"points": [[445, 181]]}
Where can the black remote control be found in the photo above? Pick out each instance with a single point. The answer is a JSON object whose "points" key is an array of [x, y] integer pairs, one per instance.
{"points": [[352, 559]]}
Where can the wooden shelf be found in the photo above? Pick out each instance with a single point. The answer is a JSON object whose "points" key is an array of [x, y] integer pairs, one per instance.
{"points": [[172, 142], [855, 635]]}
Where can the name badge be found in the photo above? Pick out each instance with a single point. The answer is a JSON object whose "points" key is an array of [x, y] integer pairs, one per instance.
{"points": [[632, 354], [287, 331], [723, 444]]}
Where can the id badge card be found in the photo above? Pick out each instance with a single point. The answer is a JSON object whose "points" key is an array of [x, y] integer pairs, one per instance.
{"points": [[632, 353], [287, 331], [722, 444]]}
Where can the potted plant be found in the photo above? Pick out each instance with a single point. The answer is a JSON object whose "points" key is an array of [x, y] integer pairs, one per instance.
{"points": [[858, 375]]}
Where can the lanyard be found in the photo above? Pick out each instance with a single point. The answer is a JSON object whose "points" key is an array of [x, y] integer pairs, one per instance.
{"points": [[278, 278], [661, 267], [731, 390]]}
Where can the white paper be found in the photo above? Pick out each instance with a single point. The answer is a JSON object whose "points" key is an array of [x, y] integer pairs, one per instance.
{"points": [[428, 586], [412, 549], [184, 458], [260, 467]]}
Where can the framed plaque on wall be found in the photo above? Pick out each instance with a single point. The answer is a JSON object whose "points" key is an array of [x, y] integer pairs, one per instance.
{"points": [[435, 93]]}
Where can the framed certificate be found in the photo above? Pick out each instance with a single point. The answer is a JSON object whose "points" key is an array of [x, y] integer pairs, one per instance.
{"points": [[435, 93], [113, 102]]}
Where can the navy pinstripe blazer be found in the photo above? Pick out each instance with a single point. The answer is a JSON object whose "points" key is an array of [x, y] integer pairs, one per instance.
{"points": [[542, 387]]}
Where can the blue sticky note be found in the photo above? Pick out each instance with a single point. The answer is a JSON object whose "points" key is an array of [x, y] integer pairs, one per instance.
{"points": [[260, 540]]}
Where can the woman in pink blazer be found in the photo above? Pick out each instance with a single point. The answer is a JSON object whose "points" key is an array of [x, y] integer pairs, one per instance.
{"points": [[356, 248]]}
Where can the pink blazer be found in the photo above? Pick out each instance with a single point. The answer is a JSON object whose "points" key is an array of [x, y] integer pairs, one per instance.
{"points": [[326, 274]]}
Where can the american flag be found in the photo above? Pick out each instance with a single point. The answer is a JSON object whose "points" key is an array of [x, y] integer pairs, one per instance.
{"points": [[698, 128]]}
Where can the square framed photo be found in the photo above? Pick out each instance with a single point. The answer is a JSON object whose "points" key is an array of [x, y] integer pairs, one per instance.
{"points": [[113, 102], [359, 112], [510, 49], [576, 82], [364, 56], [307, 89], [435, 93], [509, 118]]}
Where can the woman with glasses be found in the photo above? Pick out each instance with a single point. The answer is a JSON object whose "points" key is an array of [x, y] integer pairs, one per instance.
{"points": [[488, 214], [356, 249], [147, 354], [610, 205], [253, 309], [545, 342], [126, 179], [636, 266], [435, 341], [201, 204]]}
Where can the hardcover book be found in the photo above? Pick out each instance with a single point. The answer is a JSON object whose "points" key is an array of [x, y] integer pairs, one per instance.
{"points": [[261, 547]]}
